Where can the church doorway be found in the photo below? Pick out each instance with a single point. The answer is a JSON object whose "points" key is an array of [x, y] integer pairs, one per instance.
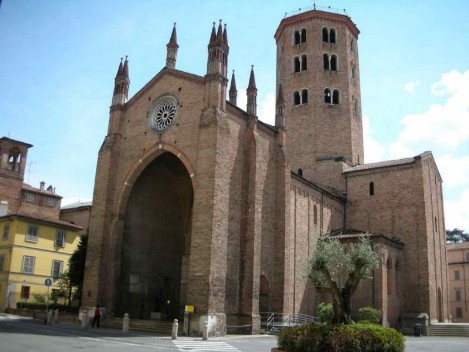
{"points": [[156, 241]]}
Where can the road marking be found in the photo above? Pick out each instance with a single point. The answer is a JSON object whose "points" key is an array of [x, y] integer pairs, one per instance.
{"points": [[206, 346]]}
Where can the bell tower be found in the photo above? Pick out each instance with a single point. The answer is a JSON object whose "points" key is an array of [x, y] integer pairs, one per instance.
{"points": [[318, 71]]}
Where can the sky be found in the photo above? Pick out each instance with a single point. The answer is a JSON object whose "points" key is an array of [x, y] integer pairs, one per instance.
{"points": [[58, 60]]}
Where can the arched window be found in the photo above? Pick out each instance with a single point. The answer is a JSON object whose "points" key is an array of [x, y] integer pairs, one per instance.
{"points": [[325, 59], [296, 37], [304, 96], [334, 62], [296, 64], [327, 96], [300, 172], [332, 35], [304, 63], [325, 35], [296, 98], [372, 188], [303, 35], [336, 97]]}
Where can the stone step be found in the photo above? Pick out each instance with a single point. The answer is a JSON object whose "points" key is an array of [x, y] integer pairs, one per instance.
{"points": [[157, 326], [449, 330]]}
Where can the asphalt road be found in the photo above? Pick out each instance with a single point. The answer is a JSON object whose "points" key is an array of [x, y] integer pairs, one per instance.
{"points": [[18, 334]]}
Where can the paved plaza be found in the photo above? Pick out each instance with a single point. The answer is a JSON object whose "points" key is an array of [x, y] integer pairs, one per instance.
{"points": [[20, 334]]}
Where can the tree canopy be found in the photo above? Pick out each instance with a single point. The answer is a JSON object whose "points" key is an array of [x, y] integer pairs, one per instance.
{"points": [[456, 236], [340, 267], [76, 270]]}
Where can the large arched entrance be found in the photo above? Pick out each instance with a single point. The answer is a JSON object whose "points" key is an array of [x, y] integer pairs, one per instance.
{"points": [[156, 241]]}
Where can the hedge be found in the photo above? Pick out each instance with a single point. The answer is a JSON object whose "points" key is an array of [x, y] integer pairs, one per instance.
{"points": [[43, 306], [361, 337]]}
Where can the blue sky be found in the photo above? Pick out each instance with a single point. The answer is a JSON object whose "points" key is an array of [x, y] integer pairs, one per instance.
{"points": [[58, 60]]}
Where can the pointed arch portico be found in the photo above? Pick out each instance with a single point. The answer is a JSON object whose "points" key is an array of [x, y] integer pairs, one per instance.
{"points": [[151, 229]]}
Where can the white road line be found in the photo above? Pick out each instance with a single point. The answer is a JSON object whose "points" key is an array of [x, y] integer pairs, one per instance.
{"points": [[206, 346]]}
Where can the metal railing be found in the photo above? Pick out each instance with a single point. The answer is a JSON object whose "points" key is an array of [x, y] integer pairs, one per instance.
{"points": [[272, 321]]}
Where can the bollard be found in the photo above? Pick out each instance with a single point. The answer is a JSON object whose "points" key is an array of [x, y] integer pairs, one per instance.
{"points": [[205, 332], [49, 317], [84, 319], [56, 316], [174, 334], [125, 324]]}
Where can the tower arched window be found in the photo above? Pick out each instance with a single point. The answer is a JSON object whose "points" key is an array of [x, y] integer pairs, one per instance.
{"points": [[333, 62], [336, 97], [304, 96], [303, 35], [325, 35], [296, 98], [300, 172], [354, 73], [371, 188], [296, 64], [296, 37], [332, 36], [325, 59], [327, 96], [304, 63]]}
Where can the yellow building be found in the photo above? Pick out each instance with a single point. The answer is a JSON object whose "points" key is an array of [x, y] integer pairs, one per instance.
{"points": [[34, 244]]}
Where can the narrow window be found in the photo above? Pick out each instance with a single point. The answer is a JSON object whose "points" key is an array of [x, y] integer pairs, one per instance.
{"points": [[296, 64], [300, 172], [352, 45], [435, 222], [353, 71], [355, 105], [372, 188], [296, 98], [60, 239], [456, 275], [335, 97], [327, 96], [303, 35], [6, 232], [304, 63], [458, 312], [334, 63], [315, 214], [296, 37], [389, 275], [2, 262], [458, 295], [325, 59], [304, 96], [25, 290], [467, 257], [332, 36], [57, 269], [31, 236], [325, 35], [28, 264]]}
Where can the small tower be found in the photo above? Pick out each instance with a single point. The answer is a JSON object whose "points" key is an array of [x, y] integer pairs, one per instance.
{"points": [[280, 111], [251, 108], [122, 83], [172, 49], [233, 91], [217, 63]]}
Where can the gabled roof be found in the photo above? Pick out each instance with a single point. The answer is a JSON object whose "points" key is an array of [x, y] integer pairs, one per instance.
{"points": [[30, 188]]}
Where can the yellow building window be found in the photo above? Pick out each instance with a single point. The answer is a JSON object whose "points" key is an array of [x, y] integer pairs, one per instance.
{"points": [[31, 236], [28, 264]]}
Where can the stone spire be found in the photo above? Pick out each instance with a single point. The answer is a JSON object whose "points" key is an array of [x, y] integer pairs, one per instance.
{"points": [[252, 94], [279, 116], [121, 83], [172, 49], [233, 91]]}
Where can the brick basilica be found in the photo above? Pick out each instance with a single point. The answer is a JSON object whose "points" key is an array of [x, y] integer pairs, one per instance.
{"points": [[197, 202]]}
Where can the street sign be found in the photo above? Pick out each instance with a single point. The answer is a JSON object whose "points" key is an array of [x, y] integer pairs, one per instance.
{"points": [[189, 309], [48, 282]]}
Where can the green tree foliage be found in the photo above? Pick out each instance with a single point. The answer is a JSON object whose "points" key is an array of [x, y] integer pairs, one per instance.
{"points": [[369, 315], [340, 267], [456, 236], [76, 270], [66, 288]]}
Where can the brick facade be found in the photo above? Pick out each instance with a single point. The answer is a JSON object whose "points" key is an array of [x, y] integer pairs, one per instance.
{"points": [[221, 211]]}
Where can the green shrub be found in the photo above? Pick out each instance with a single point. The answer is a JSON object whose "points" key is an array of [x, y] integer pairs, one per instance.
{"points": [[43, 306], [369, 314], [340, 338], [39, 298], [325, 312]]}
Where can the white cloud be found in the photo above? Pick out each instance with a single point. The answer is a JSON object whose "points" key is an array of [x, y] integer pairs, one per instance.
{"points": [[457, 212], [442, 127], [374, 150], [410, 87], [454, 170]]}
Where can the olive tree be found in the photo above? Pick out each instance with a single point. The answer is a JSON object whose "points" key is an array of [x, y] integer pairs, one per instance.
{"points": [[340, 267]]}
